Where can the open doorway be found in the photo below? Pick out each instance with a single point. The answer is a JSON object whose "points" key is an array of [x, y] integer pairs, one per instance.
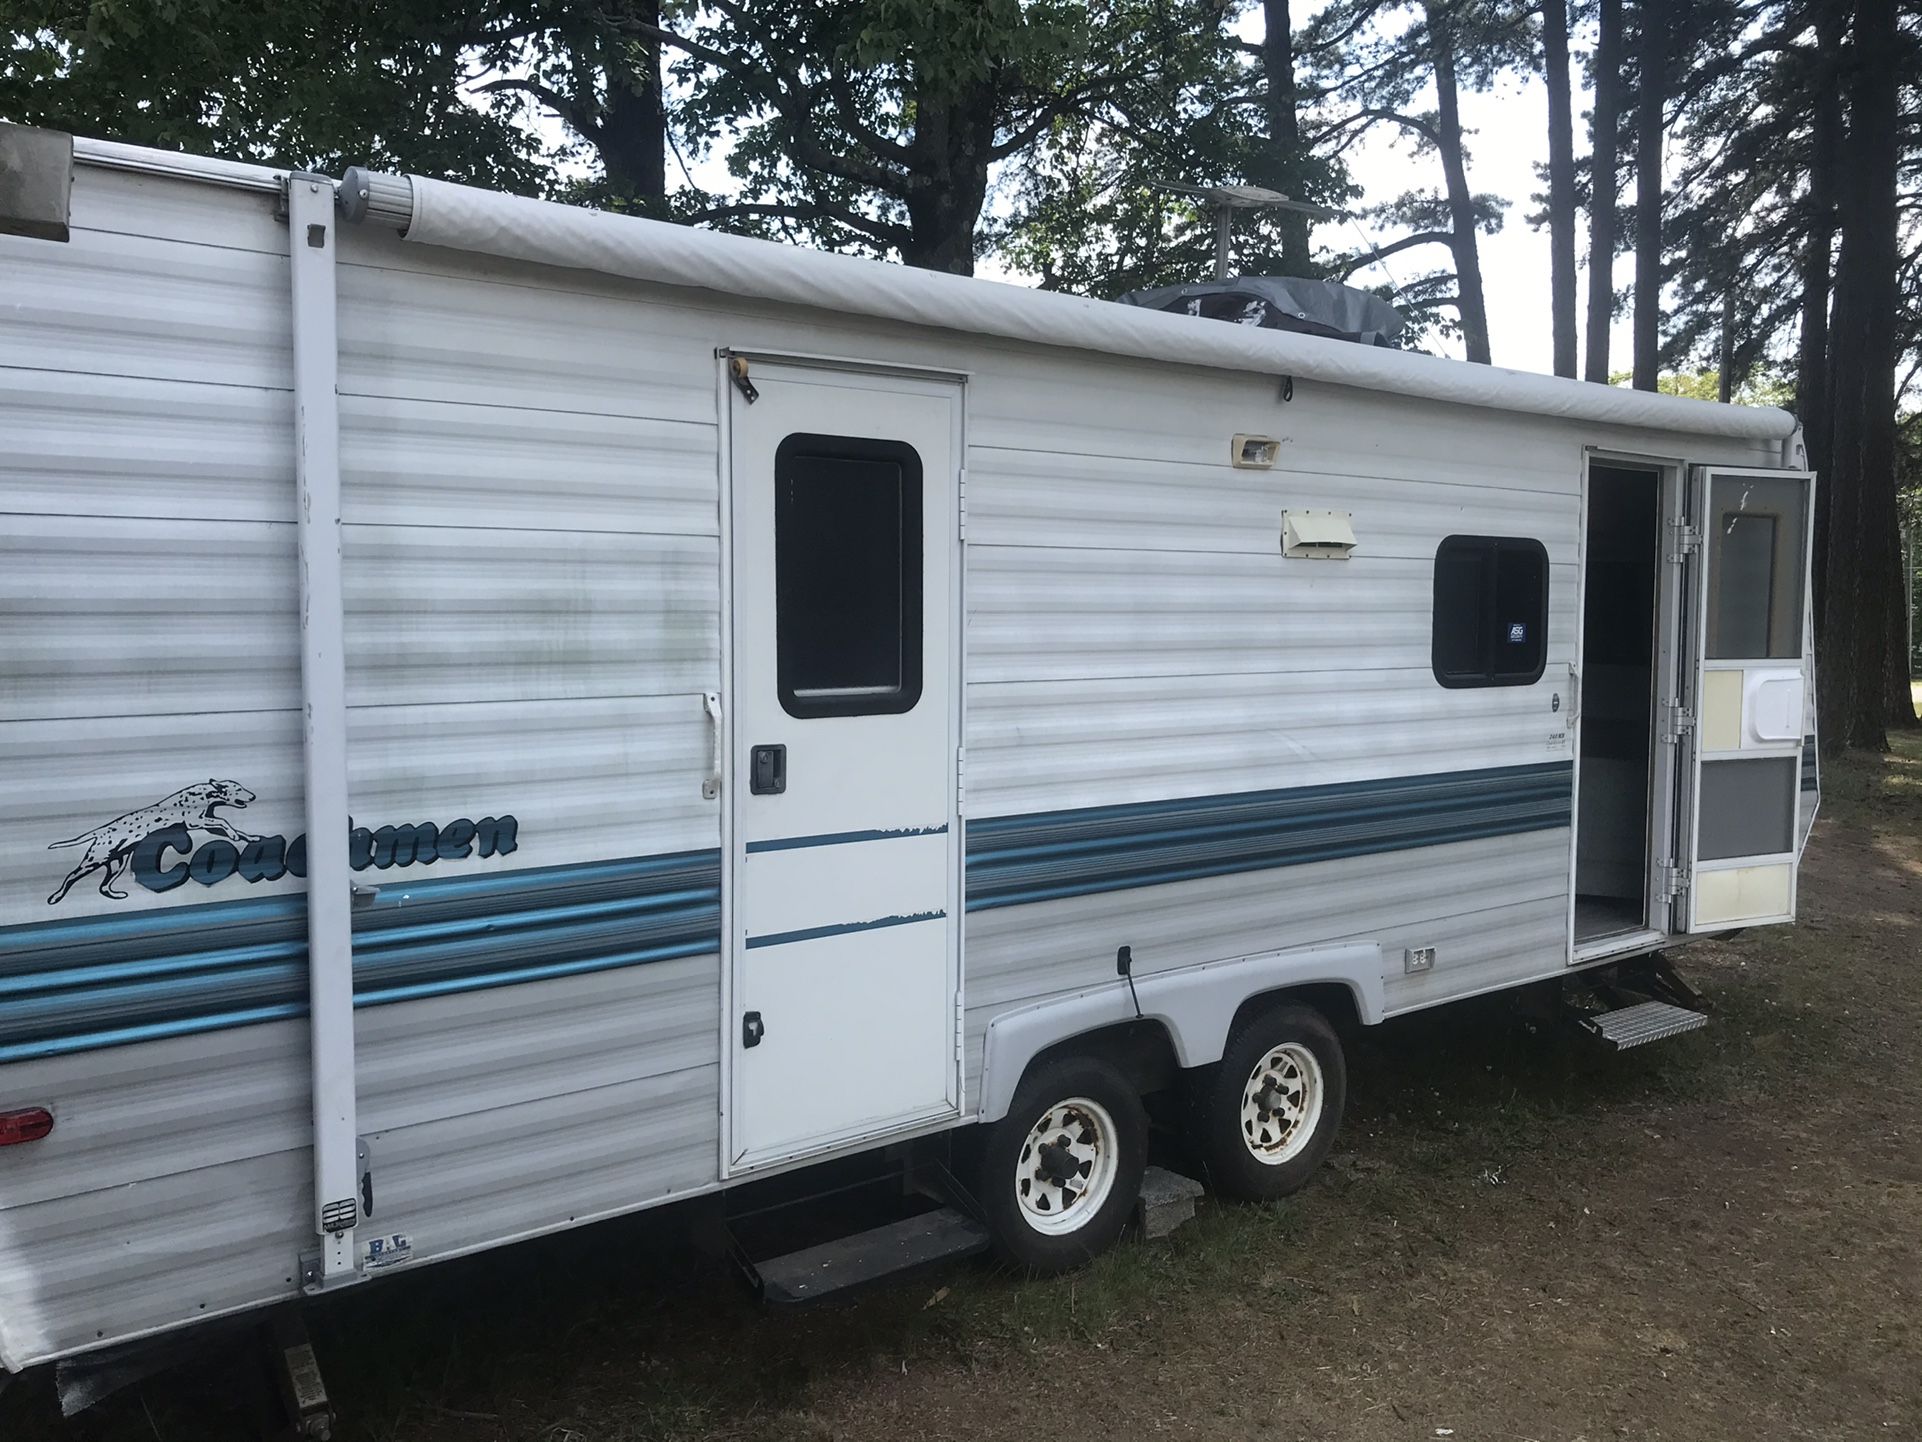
{"points": [[1619, 607]]}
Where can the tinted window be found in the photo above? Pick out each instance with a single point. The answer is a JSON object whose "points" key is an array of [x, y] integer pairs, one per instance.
{"points": [[847, 575], [1491, 611]]}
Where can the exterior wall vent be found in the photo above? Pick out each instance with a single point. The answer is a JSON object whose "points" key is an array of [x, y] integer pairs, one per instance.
{"points": [[1317, 535]]}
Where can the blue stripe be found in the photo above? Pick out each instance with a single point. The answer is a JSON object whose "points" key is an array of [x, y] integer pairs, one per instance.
{"points": [[815, 933], [1016, 860], [842, 838], [69, 986]]}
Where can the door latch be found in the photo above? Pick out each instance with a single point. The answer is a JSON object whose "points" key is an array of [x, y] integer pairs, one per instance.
{"points": [[752, 1029], [767, 770], [364, 1157]]}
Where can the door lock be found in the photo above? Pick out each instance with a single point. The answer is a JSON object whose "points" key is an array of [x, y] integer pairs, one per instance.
{"points": [[767, 770], [752, 1029]]}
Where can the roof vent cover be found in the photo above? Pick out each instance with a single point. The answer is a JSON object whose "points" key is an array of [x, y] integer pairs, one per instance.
{"points": [[1280, 302]]}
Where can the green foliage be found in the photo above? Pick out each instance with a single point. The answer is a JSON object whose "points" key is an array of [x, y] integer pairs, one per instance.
{"points": [[1756, 389], [1087, 214], [873, 125], [317, 85]]}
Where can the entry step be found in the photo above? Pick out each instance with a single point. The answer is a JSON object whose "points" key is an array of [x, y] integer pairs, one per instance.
{"points": [[865, 1257], [1643, 1023]]}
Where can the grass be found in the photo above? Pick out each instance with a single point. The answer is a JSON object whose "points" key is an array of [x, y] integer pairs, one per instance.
{"points": [[1484, 1173]]}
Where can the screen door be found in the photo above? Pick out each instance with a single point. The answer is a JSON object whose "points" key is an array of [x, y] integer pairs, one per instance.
{"points": [[1754, 686]]}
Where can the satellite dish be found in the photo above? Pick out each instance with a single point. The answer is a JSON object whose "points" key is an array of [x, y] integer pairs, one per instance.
{"points": [[1247, 197]]}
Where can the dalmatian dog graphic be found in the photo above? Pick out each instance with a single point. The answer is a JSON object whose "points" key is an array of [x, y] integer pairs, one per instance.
{"points": [[110, 846]]}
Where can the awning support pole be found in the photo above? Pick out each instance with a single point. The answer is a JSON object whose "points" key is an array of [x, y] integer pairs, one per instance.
{"points": [[312, 230]]}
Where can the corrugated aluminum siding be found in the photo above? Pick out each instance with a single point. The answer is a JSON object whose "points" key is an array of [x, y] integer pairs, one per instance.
{"points": [[532, 564], [532, 543]]}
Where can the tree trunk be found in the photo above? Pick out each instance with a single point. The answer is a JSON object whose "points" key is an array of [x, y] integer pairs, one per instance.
{"points": [[1284, 130], [1651, 92], [1902, 713], [1604, 184], [1561, 184], [1864, 565], [1461, 201], [949, 181], [632, 136], [1818, 255], [1725, 362]]}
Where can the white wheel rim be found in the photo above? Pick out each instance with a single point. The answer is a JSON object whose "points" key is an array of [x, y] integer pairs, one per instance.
{"points": [[1067, 1166], [1281, 1104]]}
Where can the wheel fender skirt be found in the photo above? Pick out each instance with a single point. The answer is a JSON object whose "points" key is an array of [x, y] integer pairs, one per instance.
{"points": [[1195, 1004]]}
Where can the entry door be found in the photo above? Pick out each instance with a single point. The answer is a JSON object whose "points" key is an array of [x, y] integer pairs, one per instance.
{"points": [[845, 875], [1754, 681]]}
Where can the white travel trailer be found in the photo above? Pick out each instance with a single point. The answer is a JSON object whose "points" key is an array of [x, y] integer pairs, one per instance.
{"points": [[769, 706]]}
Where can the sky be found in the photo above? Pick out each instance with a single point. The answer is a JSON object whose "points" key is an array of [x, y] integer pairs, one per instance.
{"points": [[1507, 143]]}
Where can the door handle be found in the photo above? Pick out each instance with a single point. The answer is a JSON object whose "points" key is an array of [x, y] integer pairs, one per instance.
{"points": [[767, 770], [711, 784], [752, 1029]]}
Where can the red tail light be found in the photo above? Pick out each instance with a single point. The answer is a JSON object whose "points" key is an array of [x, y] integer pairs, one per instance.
{"points": [[28, 1124]]}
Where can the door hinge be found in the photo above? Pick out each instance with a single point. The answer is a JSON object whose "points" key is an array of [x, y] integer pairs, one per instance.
{"points": [[961, 515], [1675, 881], [1677, 722], [960, 779], [1684, 540]]}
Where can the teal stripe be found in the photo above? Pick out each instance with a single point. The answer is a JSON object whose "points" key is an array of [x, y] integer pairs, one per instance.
{"points": [[69, 986], [842, 838], [1045, 856], [815, 933], [74, 985]]}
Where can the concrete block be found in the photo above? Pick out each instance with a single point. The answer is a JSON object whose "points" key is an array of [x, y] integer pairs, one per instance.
{"points": [[1167, 1200]]}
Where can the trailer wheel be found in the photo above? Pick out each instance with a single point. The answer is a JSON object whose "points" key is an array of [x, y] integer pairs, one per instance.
{"points": [[1060, 1173], [1265, 1116]]}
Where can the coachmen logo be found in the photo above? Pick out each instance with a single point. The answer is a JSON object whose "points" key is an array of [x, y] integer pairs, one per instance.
{"points": [[182, 839]]}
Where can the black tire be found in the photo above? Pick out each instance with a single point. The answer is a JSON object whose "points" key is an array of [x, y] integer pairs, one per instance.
{"points": [[1227, 1153], [1006, 1153]]}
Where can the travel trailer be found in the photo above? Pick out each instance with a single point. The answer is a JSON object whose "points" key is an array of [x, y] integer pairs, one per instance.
{"points": [[515, 715]]}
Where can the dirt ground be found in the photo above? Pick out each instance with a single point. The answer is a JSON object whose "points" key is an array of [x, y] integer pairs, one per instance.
{"points": [[1718, 1237]]}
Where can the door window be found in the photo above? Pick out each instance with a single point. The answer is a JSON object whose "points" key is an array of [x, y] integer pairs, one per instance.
{"points": [[847, 575], [1756, 526]]}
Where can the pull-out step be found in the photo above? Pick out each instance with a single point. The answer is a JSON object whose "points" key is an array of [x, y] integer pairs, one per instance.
{"points": [[1642, 1023], [855, 1261]]}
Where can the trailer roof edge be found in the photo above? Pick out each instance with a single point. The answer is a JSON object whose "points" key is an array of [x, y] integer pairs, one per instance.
{"points": [[468, 218], [512, 227], [144, 160]]}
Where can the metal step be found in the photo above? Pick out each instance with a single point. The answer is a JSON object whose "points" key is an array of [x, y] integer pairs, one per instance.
{"points": [[1642, 1023], [885, 1251]]}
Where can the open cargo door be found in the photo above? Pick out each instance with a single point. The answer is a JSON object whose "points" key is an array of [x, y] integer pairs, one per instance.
{"points": [[1754, 690]]}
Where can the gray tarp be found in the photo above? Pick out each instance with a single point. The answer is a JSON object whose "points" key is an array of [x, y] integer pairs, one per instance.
{"points": [[1280, 302]]}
